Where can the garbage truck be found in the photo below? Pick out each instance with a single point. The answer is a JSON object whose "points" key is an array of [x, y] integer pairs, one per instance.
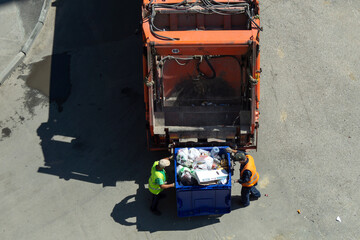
{"points": [[201, 70]]}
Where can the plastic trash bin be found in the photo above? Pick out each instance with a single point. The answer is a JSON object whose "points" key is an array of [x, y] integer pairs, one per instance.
{"points": [[203, 200]]}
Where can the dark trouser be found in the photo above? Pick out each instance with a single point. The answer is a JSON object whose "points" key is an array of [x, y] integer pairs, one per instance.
{"points": [[245, 194], [155, 201]]}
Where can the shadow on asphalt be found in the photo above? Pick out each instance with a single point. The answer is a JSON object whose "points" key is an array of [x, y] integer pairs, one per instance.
{"points": [[96, 127], [126, 213], [132, 211], [8, 1], [96, 120]]}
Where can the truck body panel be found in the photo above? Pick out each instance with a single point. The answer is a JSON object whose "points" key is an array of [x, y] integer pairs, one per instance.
{"points": [[201, 72]]}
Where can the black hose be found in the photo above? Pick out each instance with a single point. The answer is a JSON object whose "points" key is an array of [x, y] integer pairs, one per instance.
{"points": [[258, 27], [162, 37], [230, 56], [211, 67], [170, 5], [210, 5], [152, 26]]}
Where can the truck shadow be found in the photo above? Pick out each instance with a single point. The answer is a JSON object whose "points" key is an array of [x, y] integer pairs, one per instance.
{"points": [[95, 131], [96, 118]]}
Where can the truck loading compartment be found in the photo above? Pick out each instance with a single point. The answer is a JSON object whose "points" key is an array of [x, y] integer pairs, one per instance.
{"points": [[201, 71], [202, 97]]}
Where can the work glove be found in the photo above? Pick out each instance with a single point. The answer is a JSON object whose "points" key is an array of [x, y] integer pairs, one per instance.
{"points": [[233, 181], [228, 150]]}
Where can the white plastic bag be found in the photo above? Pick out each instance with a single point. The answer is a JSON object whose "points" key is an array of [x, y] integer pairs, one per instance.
{"points": [[186, 176], [201, 166], [181, 169], [193, 154], [209, 162], [182, 154], [204, 152], [203, 162], [182, 157], [178, 169]]}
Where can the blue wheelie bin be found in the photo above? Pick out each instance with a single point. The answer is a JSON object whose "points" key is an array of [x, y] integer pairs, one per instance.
{"points": [[203, 200]]}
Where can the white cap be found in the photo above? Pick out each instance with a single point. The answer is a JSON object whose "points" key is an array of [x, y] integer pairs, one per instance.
{"points": [[164, 163]]}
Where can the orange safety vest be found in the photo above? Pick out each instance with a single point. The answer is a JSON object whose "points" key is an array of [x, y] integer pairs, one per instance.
{"points": [[254, 174]]}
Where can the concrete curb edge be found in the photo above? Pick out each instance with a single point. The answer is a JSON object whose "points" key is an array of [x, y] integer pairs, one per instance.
{"points": [[26, 47]]}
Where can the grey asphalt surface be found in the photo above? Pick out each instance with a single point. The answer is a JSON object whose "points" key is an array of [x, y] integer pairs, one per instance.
{"points": [[73, 158], [18, 19]]}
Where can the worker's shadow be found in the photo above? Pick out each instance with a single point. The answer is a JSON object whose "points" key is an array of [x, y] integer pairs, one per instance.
{"points": [[135, 210], [236, 203]]}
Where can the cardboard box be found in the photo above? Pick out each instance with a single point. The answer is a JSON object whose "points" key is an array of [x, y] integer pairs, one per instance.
{"points": [[203, 176]]}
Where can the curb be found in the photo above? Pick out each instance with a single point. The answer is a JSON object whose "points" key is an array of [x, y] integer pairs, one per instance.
{"points": [[26, 47]]}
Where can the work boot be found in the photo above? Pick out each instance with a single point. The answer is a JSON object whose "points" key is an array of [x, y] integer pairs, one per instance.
{"points": [[242, 204], [156, 212], [253, 198]]}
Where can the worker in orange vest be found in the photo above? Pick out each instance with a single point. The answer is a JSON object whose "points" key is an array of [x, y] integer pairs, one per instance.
{"points": [[248, 176]]}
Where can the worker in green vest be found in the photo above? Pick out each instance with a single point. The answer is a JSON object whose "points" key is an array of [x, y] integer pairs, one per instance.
{"points": [[158, 182]]}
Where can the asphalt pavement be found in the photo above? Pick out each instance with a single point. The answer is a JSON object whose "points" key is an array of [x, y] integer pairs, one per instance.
{"points": [[21, 21], [74, 163]]}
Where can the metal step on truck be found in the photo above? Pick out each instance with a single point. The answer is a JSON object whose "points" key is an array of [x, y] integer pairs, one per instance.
{"points": [[201, 66]]}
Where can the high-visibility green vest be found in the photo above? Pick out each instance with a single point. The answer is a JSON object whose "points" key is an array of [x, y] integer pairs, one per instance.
{"points": [[153, 187]]}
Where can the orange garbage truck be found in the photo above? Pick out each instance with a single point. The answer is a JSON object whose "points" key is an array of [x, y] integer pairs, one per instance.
{"points": [[201, 66]]}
